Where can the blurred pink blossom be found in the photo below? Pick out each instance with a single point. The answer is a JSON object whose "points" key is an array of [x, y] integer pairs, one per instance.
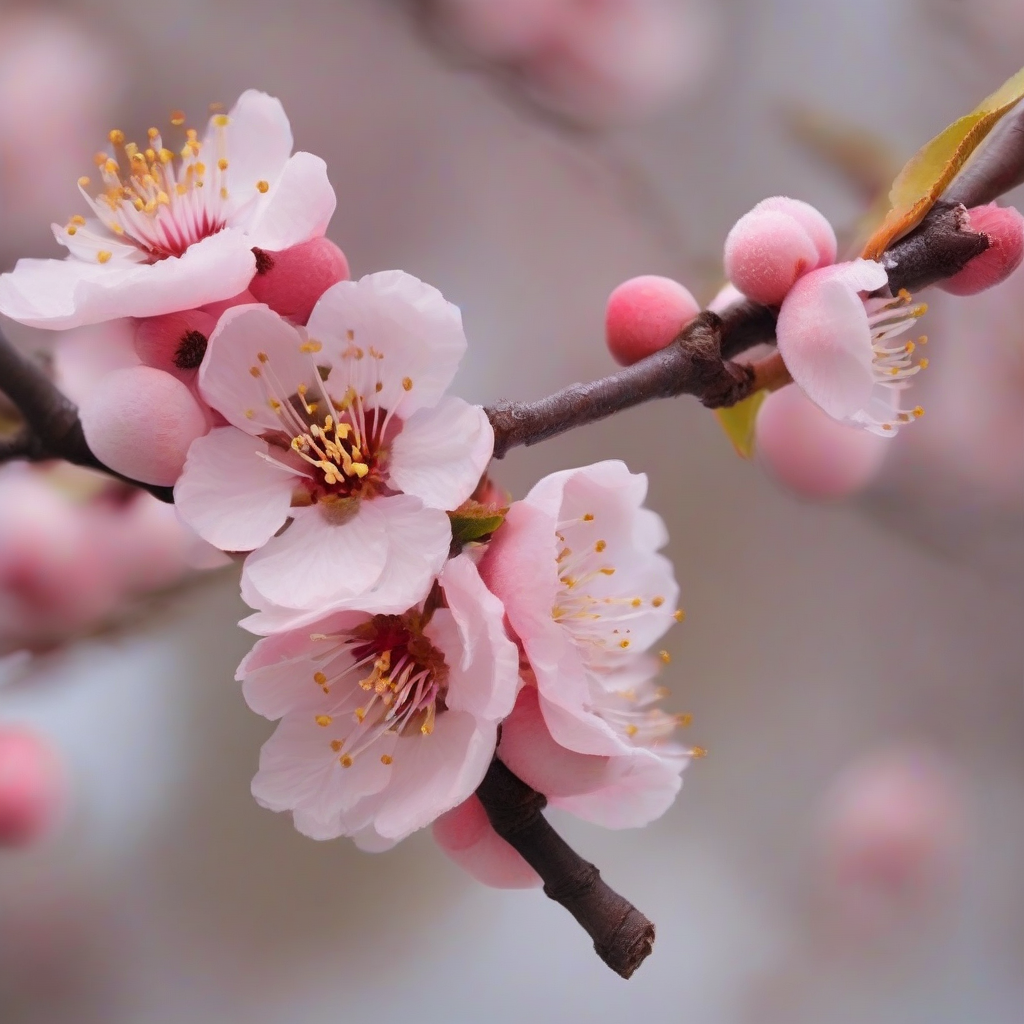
{"points": [[32, 786], [592, 60]]}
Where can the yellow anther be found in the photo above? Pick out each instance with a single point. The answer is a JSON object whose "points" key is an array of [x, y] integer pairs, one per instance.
{"points": [[255, 371], [636, 602], [323, 721], [319, 678], [684, 720], [99, 159], [336, 745], [311, 346], [78, 219], [151, 156], [894, 372], [666, 658], [263, 186], [600, 546], [153, 133], [698, 753], [346, 761], [103, 256], [623, 644], [222, 120], [222, 164], [166, 156], [386, 759], [631, 730], [116, 137], [887, 426], [923, 363], [589, 517], [224, 193], [657, 601], [110, 167], [264, 358], [918, 411], [679, 615], [72, 230], [350, 334], [909, 347], [274, 404], [407, 383], [607, 571], [360, 714], [84, 182], [177, 118]]}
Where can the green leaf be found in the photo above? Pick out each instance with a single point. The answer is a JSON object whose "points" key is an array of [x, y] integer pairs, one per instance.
{"points": [[738, 422], [933, 167], [474, 521]]}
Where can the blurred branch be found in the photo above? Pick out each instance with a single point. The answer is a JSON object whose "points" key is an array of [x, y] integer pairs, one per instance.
{"points": [[623, 937], [52, 429]]}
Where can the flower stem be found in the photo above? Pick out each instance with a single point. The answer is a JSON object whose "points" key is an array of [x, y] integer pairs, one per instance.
{"points": [[623, 937]]}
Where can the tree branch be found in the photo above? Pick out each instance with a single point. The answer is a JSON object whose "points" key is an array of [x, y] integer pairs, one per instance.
{"points": [[52, 428], [623, 937], [699, 361]]}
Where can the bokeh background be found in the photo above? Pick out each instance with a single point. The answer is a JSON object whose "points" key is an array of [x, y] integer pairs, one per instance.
{"points": [[851, 668]]}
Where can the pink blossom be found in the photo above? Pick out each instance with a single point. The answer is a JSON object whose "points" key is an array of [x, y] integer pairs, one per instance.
{"points": [[173, 232], [387, 721], [836, 345], [776, 243], [810, 452], [644, 314], [586, 592], [31, 787], [344, 429], [594, 61], [1005, 229]]}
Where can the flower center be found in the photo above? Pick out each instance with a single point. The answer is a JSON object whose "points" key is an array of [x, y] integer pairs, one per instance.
{"points": [[402, 683], [154, 199], [893, 365]]}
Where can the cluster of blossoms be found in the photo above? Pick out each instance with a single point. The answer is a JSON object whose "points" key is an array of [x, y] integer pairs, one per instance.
{"points": [[409, 619], [839, 332]]}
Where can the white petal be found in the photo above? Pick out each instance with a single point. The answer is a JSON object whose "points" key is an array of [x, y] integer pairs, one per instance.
{"points": [[441, 453], [258, 142], [56, 294], [415, 331], [253, 364], [418, 540], [435, 773], [825, 339], [231, 496], [298, 207], [320, 562]]}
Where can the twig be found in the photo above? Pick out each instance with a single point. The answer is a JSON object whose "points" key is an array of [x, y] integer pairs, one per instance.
{"points": [[623, 937], [52, 428], [699, 361]]}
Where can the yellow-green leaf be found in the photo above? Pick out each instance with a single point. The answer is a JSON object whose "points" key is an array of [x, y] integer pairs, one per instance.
{"points": [[933, 167], [738, 422], [474, 521]]}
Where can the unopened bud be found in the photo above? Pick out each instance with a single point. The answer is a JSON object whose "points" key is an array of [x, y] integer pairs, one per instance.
{"points": [[644, 315], [291, 281], [1004, 227]]}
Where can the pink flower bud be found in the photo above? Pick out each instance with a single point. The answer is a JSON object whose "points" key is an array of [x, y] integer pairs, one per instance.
{"points": [[1004, 226], [140, 422], [466, 836], [175, 342], [644, 315], [31, 787], [291, 282], [773, 245], [215, 309], [812, 453]]}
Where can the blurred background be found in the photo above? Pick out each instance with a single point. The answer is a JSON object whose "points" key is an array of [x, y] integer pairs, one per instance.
{"points": [[850, 849]]}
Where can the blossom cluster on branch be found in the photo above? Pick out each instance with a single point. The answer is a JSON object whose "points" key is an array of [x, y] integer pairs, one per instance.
{"points": [[434, 653]]}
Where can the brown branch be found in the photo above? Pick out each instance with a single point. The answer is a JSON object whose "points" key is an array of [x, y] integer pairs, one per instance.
{"points": [[52, 429], [699, 361], [623, 937]]}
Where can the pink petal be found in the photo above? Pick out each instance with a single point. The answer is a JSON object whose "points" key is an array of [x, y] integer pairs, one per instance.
{"points": [[140, 422], [56, 294], [298, 207], [230, 494], [825, 340], [812, 453], [253, 358], [466, 836], [441, 453], [415, 330], [31, 787], [84, 356]]}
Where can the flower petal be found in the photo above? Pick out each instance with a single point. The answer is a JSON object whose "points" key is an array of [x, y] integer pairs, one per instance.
{"points": [[466, 836], [441, 453], [415, 332], [229, 494], [254, 363], [56, 294], [298, 207]]}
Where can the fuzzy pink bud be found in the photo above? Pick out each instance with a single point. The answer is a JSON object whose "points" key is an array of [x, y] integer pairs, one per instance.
{"points": [[140, 422], [810, 452], [291, 282], [31, 787], [773, 245], [175, 342], [644, 315], [1004, 226]]}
